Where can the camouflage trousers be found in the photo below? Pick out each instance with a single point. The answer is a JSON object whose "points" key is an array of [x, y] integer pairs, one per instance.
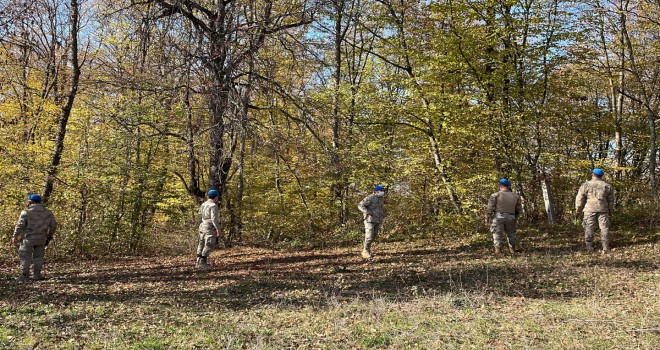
{"points": [[370, 234], [206, 243], [589, 222], [503, 223], [32, 249]]}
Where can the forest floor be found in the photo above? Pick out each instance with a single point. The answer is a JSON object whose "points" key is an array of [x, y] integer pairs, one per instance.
{"points": [[428, 294]]}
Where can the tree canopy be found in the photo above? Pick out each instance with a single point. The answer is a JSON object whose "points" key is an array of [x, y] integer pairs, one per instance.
{"points": [[131, 110]]}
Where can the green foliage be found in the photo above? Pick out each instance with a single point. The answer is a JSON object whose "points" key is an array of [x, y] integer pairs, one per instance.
{"points": [[436, 100]]}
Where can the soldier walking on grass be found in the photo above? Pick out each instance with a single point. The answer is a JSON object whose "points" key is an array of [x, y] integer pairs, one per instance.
{"points": [[504, 208], [209, 229], [373, 213], [595, 199], [35, 228]]}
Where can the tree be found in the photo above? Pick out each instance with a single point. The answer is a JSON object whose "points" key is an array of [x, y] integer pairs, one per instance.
{"points": [[222, 27], [56, 158]]}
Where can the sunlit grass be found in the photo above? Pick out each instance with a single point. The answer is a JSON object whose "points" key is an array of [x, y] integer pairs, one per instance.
{"points": [[429, 294]]}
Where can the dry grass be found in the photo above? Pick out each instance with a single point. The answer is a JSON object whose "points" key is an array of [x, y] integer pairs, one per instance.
{"points": [[414, 295]]}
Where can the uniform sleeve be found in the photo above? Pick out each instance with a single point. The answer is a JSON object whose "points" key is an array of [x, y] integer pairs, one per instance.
{"points": [[610, 199], [199, 215], [20, 225], [581, 197], [518, 207], [364, 205], [492, 204], [214, 217]]}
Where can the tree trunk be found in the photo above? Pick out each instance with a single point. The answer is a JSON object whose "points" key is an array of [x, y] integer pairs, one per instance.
{"points": [[66, 109], [236, 229], [653, 157], [339, 186], [645, 100], [193, 163], [223, 54], [437, 160], [547, 198], [219, 161]]}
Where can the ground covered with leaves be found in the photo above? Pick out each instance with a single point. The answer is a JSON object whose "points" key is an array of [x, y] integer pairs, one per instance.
{"points": [[428, 294]]}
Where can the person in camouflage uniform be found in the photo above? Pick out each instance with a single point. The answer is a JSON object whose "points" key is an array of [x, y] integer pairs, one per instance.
{"points": [[504, 208], [373, 214], [35, 228], [595, 199], [209, 229]]}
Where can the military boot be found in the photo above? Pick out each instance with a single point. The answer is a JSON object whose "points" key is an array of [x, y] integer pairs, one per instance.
{"points": [[25, 269], [204, 264], [606, 247], [366, 254], [512, 248], [22, 278], [37, 273], [589, 247]]}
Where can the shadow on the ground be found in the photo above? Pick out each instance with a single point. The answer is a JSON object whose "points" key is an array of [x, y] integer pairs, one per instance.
{"points": [[549, 268]]}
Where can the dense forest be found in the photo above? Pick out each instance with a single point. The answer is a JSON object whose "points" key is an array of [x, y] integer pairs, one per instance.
{"points": [[123, 113]]}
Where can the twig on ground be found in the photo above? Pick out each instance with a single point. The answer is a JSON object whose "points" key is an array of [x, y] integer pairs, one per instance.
{"points": [[640, 330], [593, 321]]}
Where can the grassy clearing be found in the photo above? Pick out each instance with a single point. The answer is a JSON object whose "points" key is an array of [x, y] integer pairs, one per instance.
{"points": [[447, 294]]}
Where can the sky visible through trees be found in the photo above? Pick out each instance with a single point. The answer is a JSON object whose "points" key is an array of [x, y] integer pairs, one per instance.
{"points": [[123, 113]]}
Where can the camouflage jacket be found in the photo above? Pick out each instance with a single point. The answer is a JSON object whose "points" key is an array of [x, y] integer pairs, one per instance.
{"points": [[207, 217], [504, 202], [372, 209], [36, 222], [595, 196]]}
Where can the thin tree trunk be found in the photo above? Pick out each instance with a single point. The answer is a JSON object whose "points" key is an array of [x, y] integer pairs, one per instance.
{"points": [[219, 161], [84, 194], [430, 132], [193, 187], [547, 198], [645, 101], [437, 160], [66, 110], [236, 229], [340, 183], [615, 91], [653, 157]]}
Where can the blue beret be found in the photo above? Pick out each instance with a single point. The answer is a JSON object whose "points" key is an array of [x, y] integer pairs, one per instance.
{"points": [[213, 193], [505, 182], [34, 197], [599, 172], [379, 188]]}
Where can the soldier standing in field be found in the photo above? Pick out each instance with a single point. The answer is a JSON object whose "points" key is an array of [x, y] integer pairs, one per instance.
{"points": [[35, 228], [373, 213], [209, 229], [504, 208], [595, 199]]}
